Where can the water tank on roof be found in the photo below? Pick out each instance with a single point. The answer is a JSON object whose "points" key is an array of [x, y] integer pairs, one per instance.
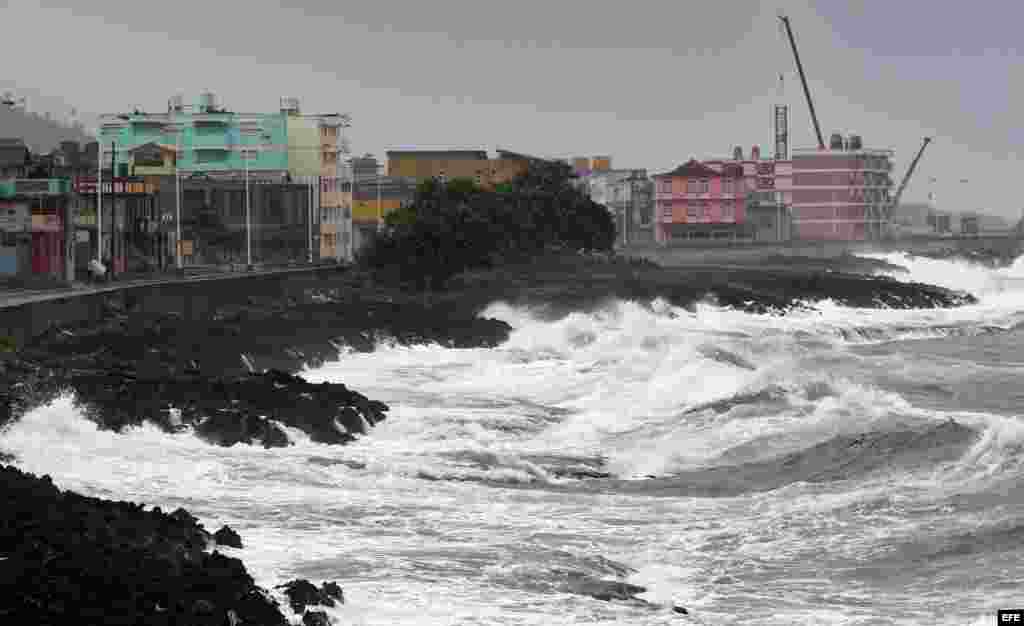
{"points": [[836, 141], [737, 153], [207, 101], [176, 103], [289, 104], [854, 143]]}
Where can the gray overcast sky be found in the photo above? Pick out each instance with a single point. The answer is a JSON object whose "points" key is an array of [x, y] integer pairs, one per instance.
{"points": [[651, 83]]}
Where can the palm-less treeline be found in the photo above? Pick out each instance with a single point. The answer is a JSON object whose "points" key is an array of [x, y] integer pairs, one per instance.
{"points": [[456, 226]]}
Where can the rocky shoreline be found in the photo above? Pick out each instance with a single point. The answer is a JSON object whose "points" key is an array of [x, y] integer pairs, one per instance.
{"points": [[72, 559], [232, 374], [231, 377]]}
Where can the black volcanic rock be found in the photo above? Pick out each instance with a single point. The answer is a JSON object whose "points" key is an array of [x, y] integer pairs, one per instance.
{"points": [[249, 409], [71, 559], [315, 618], [227, 537], [302, 593], [333, 590]]}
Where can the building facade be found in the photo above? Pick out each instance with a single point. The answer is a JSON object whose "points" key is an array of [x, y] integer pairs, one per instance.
{"points": [[34, 215], [629, 196], [15, 158], [447, 164], [842, 193], [697, 202], [207, 144]]}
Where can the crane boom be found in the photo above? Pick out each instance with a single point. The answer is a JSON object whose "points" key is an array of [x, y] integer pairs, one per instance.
{"points": [[910, 172], [803, 81]]}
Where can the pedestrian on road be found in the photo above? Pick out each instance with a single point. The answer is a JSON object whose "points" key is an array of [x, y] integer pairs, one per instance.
{"points": [[97, 270]]}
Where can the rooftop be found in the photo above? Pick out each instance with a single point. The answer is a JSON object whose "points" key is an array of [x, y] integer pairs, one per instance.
{"points": [[863, 151], [692, 169]]}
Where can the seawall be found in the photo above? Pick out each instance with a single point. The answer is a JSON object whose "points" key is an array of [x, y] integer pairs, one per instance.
{"points": [[191, 298], [728, 253]]}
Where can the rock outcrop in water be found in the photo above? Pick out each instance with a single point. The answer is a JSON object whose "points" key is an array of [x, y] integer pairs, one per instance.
{"points": [[302, 593], [566, 284], [70, 559]]}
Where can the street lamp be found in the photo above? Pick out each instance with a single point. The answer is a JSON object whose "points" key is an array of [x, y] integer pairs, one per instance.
{"points": [[177, 128], [264, 137]]}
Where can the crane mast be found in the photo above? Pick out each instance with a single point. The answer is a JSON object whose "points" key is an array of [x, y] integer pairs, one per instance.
{"points": [[803, 81], [910, 172]]}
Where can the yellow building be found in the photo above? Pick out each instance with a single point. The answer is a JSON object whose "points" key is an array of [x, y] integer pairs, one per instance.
{"points": [[474, 164]]}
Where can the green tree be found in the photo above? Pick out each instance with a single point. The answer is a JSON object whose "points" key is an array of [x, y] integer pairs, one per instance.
{"points": [[454, 226]]}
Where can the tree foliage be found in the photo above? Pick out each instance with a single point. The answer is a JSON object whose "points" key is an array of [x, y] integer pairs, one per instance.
{"points": [[454, 226]]}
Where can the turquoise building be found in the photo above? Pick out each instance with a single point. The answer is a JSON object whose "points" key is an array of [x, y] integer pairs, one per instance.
{"points": [[211, 140]]}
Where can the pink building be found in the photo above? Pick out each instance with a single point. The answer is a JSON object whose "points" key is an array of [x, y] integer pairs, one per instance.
{"points": [[766, 176], [695, 201], [841, 193]]}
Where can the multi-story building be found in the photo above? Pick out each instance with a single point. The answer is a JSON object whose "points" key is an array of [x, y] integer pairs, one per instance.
{"points": [[221, 149], [760, 175], [34, 214], [629, 196], [841, 193], [15, 158], [697, 202], [474, 164]]}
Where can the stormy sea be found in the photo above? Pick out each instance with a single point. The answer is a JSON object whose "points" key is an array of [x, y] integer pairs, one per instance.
{"points": [[831, 465]]}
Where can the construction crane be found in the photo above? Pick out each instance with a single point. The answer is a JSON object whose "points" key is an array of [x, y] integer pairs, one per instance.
{"points": [[910, 172], [803, 81]]}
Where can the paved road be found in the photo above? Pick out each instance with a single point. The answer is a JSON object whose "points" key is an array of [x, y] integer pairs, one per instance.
{"points": [[17, 297]]}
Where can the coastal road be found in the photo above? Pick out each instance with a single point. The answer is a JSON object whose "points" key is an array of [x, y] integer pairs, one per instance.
{"points": [[17, 297]]}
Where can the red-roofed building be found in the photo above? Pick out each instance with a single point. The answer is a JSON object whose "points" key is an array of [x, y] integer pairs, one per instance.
{"points": [[695, 201]]}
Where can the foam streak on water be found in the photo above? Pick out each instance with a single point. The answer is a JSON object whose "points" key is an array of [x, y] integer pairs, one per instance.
{"points": [[737, 464]]}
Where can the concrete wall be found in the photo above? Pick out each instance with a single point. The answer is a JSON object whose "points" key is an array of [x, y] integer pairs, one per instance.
{"points": [[192, 299], [726, 253]]}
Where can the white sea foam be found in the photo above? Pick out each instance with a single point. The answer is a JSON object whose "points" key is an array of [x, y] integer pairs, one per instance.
{"points": [[420, 535]]}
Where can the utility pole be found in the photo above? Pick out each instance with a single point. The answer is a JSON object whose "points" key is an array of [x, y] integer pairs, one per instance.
{"points": [[99, 200], [177, 196], [113, 208]]}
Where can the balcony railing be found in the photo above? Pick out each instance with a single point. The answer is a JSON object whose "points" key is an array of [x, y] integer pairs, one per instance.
{"points": [[211, 118]]}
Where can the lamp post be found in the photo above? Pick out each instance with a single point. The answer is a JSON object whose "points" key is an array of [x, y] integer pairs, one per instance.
{"points": [[99, 197], [263, 137], [177, 196]]}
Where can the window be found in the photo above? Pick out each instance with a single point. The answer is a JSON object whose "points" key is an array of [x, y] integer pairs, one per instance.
{"points": [[645, 217], [729, 211], [727, 186], [692, 210]]}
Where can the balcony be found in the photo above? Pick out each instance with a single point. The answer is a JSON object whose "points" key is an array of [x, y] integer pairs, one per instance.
{"points": [[220, 119], [150, 120]]}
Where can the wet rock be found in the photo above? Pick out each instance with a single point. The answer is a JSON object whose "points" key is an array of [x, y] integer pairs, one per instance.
{"points": [[203, 608], [316, 618], [301, 593], [71, 559], [606, 589], [333, 590], [680, 609], [227, 537]]}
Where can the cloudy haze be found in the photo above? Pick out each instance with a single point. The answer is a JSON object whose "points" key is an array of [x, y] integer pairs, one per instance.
{"points": [[650, 83]]}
